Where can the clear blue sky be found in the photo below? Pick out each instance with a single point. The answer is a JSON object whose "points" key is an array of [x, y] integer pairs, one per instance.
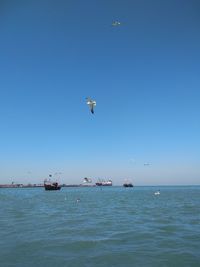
{"points": [[144, 75]]}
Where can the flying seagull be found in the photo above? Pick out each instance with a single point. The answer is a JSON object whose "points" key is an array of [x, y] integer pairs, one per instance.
{"points": [[87, 180], [91, 103], [116, 23]]}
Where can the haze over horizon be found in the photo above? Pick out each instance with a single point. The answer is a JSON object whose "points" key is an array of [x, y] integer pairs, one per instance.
{"points": [[144, 75]]}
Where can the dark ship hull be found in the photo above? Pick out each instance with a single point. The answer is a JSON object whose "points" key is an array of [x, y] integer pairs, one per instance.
{"points": [[104, 183], [53, 186], [127, 185]]}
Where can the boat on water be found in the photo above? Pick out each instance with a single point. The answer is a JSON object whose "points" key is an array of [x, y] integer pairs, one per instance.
{"points": [[104, 183], [127, 183], [49, 185]]}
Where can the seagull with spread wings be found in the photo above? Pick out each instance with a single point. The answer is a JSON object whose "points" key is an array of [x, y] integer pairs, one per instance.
{"points": [[116, 23], [91, 103]]}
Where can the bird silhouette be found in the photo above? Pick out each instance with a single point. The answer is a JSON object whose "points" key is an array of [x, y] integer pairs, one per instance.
{"points": [[91, 103]]}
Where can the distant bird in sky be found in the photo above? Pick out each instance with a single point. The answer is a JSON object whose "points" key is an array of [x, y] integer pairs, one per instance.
{"points": [[146, 164], [87, 180], [116, 23], [91, 103]]}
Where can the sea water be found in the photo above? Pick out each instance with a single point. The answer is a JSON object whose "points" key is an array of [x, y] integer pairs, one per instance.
{"points": [[100, 227]]}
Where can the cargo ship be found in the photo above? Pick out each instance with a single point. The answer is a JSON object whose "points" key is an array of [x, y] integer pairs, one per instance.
{"points": [[104, 183]]}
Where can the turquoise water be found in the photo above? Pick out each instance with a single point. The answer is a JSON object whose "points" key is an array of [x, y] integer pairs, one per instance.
{"points": [[114, 226]]}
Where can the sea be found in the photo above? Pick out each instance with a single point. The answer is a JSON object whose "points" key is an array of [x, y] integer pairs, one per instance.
{"points": [[100, 227]]}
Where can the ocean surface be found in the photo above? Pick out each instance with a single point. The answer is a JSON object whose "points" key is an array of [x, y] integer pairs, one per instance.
{"points": [[110, 226]]}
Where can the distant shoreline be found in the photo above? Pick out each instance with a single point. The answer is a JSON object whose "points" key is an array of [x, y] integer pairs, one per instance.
{"points": [[40, 185], [20, 186], [82, 185]]}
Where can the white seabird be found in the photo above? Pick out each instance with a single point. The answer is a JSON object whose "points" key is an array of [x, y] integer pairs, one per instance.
{"points": [[91, 103], [116, 23], [157, 193]]}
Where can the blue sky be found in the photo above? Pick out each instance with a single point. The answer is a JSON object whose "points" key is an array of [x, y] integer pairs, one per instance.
{"points": [[144, 75]]}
